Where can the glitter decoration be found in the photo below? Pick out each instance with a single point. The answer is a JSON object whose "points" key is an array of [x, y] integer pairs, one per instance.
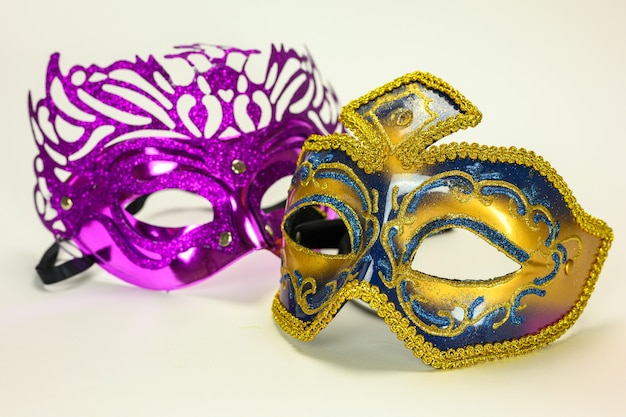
{"points": [[392, 190], [109, 137]]}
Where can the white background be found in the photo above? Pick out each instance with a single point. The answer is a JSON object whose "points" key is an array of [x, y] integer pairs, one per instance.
{"points": [[547, 75]]}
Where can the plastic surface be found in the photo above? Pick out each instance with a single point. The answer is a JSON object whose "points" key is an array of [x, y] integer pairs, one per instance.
{"points": [[549, 75], [221, 123], [393, 189]]}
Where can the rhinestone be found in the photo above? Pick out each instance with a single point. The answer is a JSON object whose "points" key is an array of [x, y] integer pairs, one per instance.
{"points": [[238, 166], [225, 239], [66, 203]]}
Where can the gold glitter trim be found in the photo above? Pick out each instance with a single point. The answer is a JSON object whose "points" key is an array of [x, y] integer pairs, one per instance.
{"points": [[519, 156], [403, 274], [430, 355], [369, 148]]}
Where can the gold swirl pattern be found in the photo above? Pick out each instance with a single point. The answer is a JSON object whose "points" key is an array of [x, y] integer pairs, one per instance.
{"points": [[472, 205], [314, 271], [509, 197]]}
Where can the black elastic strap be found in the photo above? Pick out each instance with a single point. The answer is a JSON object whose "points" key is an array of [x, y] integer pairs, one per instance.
{"points": [[50, 273]]}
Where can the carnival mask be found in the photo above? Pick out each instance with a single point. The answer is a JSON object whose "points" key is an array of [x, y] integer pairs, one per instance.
{"points": [[376, 196], [220, 123]]}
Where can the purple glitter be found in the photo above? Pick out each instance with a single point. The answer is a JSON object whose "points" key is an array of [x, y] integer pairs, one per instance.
{"points": [[108, 136]]}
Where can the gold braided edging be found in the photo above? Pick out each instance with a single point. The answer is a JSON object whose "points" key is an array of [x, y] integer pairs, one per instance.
{"points": [[429, 354], [405, 331], [372, 161], [518, 156], [369, 151], [451, 151], [370, 158]]}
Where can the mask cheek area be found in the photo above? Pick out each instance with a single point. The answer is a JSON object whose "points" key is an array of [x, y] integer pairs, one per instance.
{"points": [[317, 257]]}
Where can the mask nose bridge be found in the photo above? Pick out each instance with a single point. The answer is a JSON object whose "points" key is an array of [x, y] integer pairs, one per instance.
{"points": [[253, 230], [259, 234]]}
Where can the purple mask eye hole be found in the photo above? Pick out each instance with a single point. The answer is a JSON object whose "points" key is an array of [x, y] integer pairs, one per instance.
{"points": [[320, 229], [275, 196], [170, 208], [477, 260]]}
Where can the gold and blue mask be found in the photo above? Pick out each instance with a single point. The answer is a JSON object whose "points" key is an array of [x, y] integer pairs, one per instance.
{"points": [[362, 204]]}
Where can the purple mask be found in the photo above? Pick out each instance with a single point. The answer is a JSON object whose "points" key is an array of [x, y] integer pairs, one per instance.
{"points": [[220, 123]]}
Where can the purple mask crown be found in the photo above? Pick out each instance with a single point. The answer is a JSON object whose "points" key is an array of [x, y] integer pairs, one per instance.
{"points": [[220, 122]]}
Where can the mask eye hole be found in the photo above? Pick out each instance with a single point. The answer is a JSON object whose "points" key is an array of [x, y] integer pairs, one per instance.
{"points": [[171, 208], [319, 228], [275, 196], [459, 254]]}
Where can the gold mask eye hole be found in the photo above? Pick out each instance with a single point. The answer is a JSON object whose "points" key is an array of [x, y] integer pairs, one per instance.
{"points": [[474, 258], [319, 229]]}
